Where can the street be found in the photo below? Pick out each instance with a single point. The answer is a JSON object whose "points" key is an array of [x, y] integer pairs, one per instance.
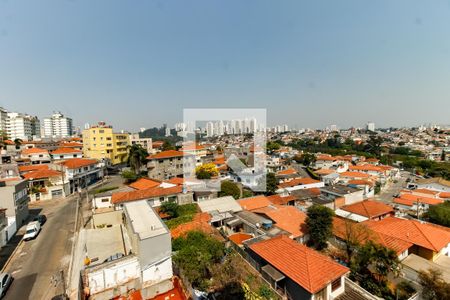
{"points": [[36, 262], [393, 189]]}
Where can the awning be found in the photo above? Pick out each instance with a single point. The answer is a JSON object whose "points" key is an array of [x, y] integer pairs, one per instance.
{"points": [[273, 273]]}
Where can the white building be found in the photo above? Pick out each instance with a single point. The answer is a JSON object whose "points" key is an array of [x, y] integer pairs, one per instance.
{"points": [[3, 118], [21, 126], [370, 126], [146, 143], [58, 126], [209, 129]]}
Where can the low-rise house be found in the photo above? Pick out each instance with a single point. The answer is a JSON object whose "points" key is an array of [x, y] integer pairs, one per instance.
{"points": [[434, 184], [154, 196], [36, 155], [66, 153], [371, 209], [220, 209], [289, 219], [14, 198], [351, 195], [300, 183], [296, 270], [132, 253], [415, 203], [46, 184], [168, 164], [81, 172], [196, 150], [286, 175], [429, 241]]}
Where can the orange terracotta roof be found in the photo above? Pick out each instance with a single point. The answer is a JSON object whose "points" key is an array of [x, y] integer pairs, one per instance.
{"points": [[325, 157], [444, 195], [144, 183], [354, 174], [220, 160], [166, 154], [366, 167], [33, 168], [344, 229], [40, 174], [288, 218], [177, 293], [424, 191], [369, 208], [157, 144], [239, 237], [287, 172], [372, 160], [281, 200], [9, 142], [200, 222], [298, 181], [65, 151], [361, 182], [254, 202], [421, 234], [176, 180], [410, 200], [33, 151], [324, 171], [121, 197], [192, 147], [70, 144], [308, 268], [75, 163]]}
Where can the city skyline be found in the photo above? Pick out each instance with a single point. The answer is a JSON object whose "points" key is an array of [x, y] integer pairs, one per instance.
{"points": [[309, 64]]}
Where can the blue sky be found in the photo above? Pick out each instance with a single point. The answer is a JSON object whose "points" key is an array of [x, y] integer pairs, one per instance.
{"points": [[310, 63]]}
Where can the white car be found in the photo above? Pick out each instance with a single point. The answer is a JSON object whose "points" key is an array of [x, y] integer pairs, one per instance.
{"points": [[33, 229]]}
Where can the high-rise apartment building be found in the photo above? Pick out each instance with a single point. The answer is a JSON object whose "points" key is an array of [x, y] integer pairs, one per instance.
{"points": [[3, 118], [100, 142], [21, 126], [370, 126], [58, 126]]}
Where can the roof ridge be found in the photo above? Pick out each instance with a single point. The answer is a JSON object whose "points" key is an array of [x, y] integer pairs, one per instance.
{"points": [[307, 269], [424, 235]]}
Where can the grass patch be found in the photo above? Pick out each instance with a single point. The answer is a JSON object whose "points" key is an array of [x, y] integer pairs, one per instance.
{"points": [[105, 189], [185, 214]]}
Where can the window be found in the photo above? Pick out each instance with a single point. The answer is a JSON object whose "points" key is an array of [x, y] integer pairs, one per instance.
{"points": [[101, 131], [336, 284], [105, 200], [61, 156]]}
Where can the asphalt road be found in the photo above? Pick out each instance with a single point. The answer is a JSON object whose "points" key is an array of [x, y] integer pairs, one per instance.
{"points": [[387, 195], [37, 261]]}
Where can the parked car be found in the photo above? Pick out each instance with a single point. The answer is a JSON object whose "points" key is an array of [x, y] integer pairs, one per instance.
{"points": [[41, 219], [33, 229], [5, 282]]}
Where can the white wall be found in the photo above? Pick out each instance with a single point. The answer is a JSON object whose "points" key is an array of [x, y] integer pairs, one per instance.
{"points": [[158, 272], [113, 275]]}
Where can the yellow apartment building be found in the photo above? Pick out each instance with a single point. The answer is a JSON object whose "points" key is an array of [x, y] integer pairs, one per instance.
{"points": [[100, 142]]}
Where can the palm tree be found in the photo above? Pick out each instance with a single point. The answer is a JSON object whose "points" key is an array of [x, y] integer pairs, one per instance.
{"points": [[17, 142], [137, 157]]}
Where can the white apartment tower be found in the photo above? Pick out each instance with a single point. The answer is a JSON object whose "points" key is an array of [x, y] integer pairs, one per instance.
{"points": [[58, 126], [21, 126], [3, 118], [370, 126]]}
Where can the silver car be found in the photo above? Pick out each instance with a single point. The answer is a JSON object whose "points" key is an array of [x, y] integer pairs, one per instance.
{"points": [[5, 282]]}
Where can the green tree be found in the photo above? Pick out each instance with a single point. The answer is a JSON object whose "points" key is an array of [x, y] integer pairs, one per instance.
{"points": [[307, 159], [228, 188], [373, 145], [170, 208], [167, 146], [196, 254], [17, 143], [3, 138], [434, 287], [271, 183], [137, 156], [271, 146], [129, 176], [319, 222], [440, 214], [371, 266]]}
